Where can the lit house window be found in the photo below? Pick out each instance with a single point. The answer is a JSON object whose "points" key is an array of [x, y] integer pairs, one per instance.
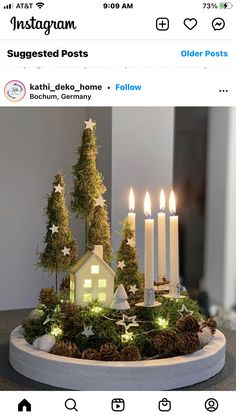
{"points": [[102, 283], [87, 298], [95, 269], [102, 297], [88, 283]]}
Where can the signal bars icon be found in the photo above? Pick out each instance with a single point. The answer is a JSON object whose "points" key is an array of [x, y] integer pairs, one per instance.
{"points": [[8, 6]]}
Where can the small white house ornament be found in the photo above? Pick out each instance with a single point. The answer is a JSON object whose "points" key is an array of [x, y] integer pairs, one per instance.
{"points": [[92, 279]]}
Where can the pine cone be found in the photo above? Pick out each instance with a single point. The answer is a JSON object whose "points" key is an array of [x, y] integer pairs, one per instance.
{"points": [[48, 297], [166, 341], [211, 323], [68, 309], [108, 352], [188, 324], [65, 284], [130, 353], [66, 349], [188, 343], [91, 354]]}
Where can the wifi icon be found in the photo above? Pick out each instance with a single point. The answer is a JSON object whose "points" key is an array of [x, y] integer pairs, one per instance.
{"points": [[40, 5]]}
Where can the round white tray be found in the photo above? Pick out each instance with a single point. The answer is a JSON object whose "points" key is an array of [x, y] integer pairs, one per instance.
{"points": [[78, 374]]}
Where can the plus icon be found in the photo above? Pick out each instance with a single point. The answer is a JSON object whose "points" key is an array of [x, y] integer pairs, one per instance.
{"points": [[162, 24]]}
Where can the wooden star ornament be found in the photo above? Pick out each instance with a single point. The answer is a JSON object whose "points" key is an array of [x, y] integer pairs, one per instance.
{"points": [[100, 202], [184, 311], [66, 251], [131, 242], [54, 229], [90, 124], [133, 289], [128, 322], [87, 331], [121, 264], [58, 188]]}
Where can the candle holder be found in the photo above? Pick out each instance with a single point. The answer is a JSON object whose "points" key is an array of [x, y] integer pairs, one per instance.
{"points": [[174, 292], [163, 284], [149, 299]]}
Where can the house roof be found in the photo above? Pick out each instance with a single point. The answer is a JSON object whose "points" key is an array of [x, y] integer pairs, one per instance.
{"points": [[86, 258]]}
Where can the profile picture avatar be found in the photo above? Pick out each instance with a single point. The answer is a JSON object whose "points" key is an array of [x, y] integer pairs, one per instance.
{"points": [[15, 91]]}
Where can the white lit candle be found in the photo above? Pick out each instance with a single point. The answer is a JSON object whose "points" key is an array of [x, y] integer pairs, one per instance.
{"points": [[131, 214], [161, 221], [149, 245], [174, 249]]}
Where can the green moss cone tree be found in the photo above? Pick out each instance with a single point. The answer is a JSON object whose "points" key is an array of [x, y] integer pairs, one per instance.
{"points": [[88, 182], [52, 258], [99, 232], [129, 275]]}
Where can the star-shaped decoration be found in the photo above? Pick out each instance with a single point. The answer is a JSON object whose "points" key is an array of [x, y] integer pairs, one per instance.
{"points": [[58, 188], [47, 320], [121, 264], [128, 322], [87, 331], [185, 312], [133, 288], [66, 251], [131, 242], [54, 229], [99, 202], [89, 124]]}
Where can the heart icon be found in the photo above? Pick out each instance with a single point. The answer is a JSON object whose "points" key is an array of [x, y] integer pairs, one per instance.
{"points": [[190, 23]]}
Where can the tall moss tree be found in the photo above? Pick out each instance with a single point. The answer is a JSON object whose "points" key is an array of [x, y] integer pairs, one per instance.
{"points": [[60, 250], [127, 253], [99, 232], [88, 182]]}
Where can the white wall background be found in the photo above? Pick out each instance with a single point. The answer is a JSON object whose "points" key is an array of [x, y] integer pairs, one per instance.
{"points": [[34, 144], [220, 260], [142, 157]]}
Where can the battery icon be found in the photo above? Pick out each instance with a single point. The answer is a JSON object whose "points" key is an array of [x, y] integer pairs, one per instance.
{"points": [[225, 5]]}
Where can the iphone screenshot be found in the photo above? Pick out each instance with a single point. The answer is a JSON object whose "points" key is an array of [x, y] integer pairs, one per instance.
{"points": [[117, 209]]}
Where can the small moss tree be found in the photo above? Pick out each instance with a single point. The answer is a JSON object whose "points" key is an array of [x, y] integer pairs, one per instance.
{"points": [[58, 235], [99, 232], [88, 182], [129, 275]]}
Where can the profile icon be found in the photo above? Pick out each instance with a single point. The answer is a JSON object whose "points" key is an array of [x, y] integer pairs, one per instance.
{"points": [[15, 91], [211, 405]]}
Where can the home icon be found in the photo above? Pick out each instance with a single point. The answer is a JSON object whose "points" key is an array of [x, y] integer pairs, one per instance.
{"points": [[24, 405]]}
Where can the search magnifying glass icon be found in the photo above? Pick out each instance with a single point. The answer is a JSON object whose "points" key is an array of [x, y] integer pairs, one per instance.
{"points": [[70, 404]]}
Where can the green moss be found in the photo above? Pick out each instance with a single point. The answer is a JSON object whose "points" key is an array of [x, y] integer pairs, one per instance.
{"points": [[34, 328], [72, 320]]}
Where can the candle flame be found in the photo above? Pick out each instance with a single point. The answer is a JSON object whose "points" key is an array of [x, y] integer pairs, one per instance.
{"points": [[147, 205], [131, 200], [162, 201], [172, 203]]}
